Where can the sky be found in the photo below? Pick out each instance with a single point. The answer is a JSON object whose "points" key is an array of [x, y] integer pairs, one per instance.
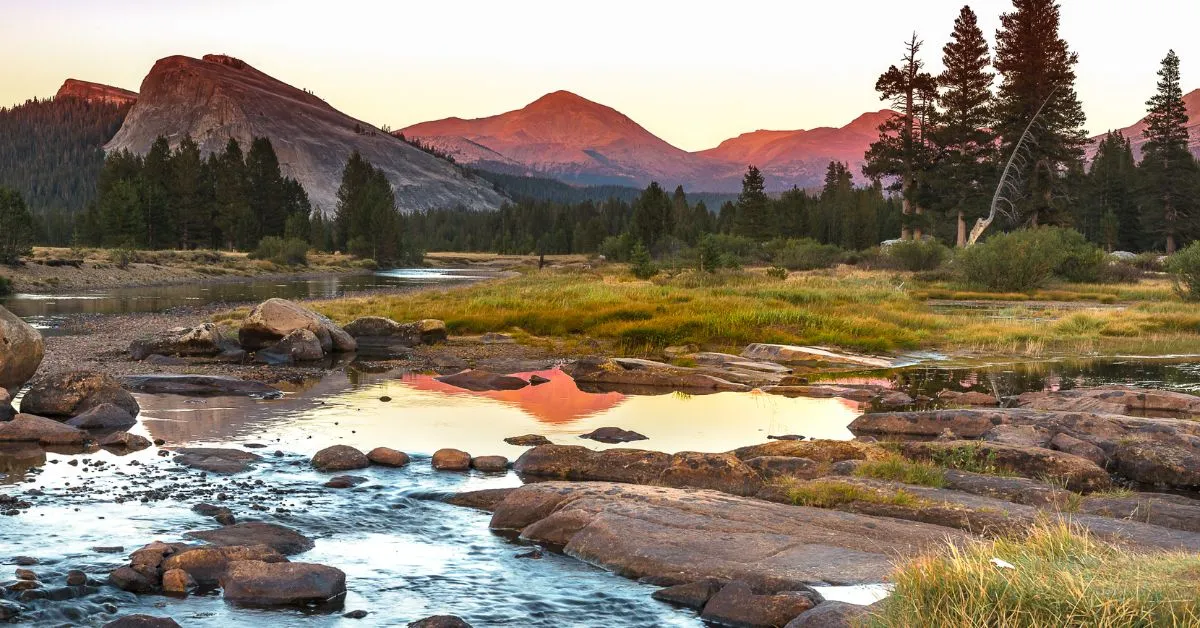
{"points": [[692, 72]]}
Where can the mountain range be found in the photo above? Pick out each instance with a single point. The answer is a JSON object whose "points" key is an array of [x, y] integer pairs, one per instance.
{"points": [[217, 98], [570, 138], [1135, 133]]}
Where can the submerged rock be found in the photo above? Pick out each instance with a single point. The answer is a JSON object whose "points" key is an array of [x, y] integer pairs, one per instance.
{"points": [[142, 621], [204, 340], [812, 356], [483, 499], [198, 386], [6, 410], [481, 381], [344, 481], [528, 440], [831, 615], [125, 441], [691, 595], [613, 435], [257, 583], [68, 395], [440, 621], [216, 459], [21, 351], [177, 582], [300, 345], [371, 330], [207, 564], [282, 539], [340, 458]]}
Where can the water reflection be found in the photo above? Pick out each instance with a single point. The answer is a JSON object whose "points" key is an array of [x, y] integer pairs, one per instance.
{"points": [[47, 310], [425, 415]]}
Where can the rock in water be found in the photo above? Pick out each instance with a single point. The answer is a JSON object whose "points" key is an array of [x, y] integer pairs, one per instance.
{"points": [[215, 459], [300, 345], [21, 351], [340, 458], [387, 457], [6, 410], [219, 98], [481, 381], [68, 395], [282, 539], [379, 329], [142, 621], [736, 604], [490, 464], [105, 416], [204, 340], [451, 460], [528, 440], [831, 615], [27, 428], [273, 319], [257, 583], [199, 386], [440, 621], [613, 435]]}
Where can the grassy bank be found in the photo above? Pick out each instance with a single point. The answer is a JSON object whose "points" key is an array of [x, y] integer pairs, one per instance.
{"points": [[874, 311], [60, 269], [1059, 577]]}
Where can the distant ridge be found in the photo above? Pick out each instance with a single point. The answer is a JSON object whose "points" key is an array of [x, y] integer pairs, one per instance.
{"points": [[95, 92], [1136, 133]]}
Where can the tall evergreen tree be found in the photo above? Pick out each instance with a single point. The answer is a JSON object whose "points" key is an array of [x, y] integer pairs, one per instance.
{"points": [[753, 218], [265, 191], [652, 216], [1168, 166], [16, 227], [190, 200], [902, 150], [233, 221], [962, 180], [1111, 214], [1037, 67], [158, 217]]}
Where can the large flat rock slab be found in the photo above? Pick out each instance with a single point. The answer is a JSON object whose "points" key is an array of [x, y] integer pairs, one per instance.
{"points": [[676, 536], [198, 386]]}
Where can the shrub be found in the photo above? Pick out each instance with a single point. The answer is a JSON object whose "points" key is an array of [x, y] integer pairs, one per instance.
{"points": [[777, 272], [617, 248], [804, 254], [5, 286], [1025, 260], [916, 255], [640, 263], [1184, 267], [121, 257], [717, 250], [292, 252]]}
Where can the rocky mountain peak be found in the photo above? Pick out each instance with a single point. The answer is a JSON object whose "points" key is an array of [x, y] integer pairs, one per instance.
{"points": [[95, 92]]}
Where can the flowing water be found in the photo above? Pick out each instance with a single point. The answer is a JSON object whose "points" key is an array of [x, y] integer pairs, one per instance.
{"points": [[47, 311], [407, 554]]}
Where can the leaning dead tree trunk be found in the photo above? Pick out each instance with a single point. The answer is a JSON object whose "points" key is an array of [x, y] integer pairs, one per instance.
{"points": [[1010, 179]]}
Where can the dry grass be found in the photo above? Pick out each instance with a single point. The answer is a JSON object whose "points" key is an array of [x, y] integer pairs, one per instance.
{"points": [[832, 493], [852, 309], [1061, 577], [897, 468]]}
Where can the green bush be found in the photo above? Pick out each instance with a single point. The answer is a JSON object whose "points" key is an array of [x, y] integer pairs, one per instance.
{"points": [[916, 255], [640, 263], [121, 257], [617, 248], [1026, 259], [1184, 267], [292, 252], [5, 286], [804, 254], [718, 250], [777, 272]]}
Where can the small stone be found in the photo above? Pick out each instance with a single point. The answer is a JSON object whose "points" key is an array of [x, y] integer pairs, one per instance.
{"points": [[356, 614], [177, 582], [25, 574], [26, 561], [440, 621], [538, 380], [340, 458], [76, 578], [451, 460], [533, 554], [787, 437], [142, 621], [490, 464], [387, 457], [384, 399], [613, 435], [528, 440], [345, 481]]}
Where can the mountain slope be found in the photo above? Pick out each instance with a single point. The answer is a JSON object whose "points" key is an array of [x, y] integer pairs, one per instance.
{"points": [[801, 157], [96, 92], [217, 98], [568, 137], [1136, 133]]}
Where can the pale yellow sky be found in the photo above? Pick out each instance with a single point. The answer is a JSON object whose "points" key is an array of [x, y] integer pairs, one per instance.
{"points": [[694, 73]]}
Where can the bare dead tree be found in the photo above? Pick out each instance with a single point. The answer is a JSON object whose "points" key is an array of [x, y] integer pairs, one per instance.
{"points": [[1012, 179]]}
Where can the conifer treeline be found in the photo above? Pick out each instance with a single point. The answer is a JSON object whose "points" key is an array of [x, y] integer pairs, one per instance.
{"points": [[50, 152], [945, 151], [178, 199], [841, 214]]}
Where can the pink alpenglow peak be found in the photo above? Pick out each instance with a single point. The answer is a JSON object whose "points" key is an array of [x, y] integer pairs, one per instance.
{"points": [[95, 92]]}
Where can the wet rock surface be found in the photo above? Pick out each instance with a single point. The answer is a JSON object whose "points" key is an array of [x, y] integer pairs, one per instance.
{"points": [[480, 381], [635, 375], [387, 457], [36, 429], [273, 319], [613, 435], [282, 539], [528, 440], [736, 604], [198, 386], [216, 459], [258, 583], [340, 458], [679, 536], [203, 340], [68, 395], [451, 460]]}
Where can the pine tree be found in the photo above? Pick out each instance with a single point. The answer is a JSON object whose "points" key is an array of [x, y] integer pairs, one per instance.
{"points": [[16, 227], [189, 198], [753, 217], [1037, 67], [652, 216], [1111, 212], [1169, 168], [264, 187], [158, 217], [232, 218], [964, 174], [902, 150]]}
